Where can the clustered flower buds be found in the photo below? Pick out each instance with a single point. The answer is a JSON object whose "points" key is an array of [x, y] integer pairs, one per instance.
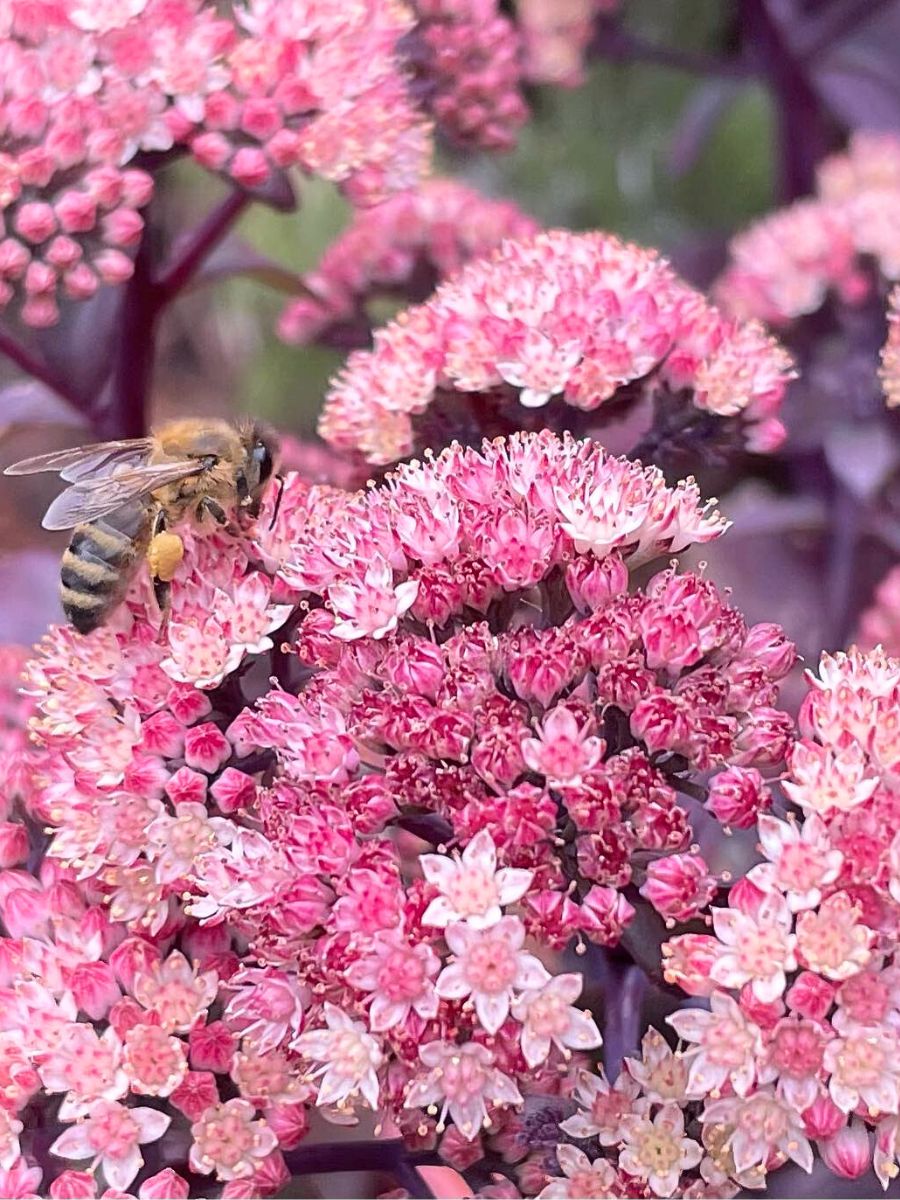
{"points": [[249, 89], [576, 325], [405, 247], [466, 57]]}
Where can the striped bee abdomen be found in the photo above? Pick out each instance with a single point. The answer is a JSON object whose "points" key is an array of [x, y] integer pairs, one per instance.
{"points": [[99, 562]]}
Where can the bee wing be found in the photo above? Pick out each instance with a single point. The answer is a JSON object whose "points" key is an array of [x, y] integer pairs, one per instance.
{"points": [[91, 498], [80, 461]]}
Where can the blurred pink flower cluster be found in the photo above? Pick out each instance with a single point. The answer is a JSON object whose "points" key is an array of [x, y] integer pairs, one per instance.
{"points": [[467, 61], [404, 247], [845, 240], [567, 323], [316, 841], [249, 89], [556, 35]]}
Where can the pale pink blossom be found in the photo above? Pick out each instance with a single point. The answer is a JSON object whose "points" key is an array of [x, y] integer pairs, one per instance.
{"points": [[176, 992], [865, 1069], [155, 1061], [229, 1140], [348, 1058], [471, 886], [756, 950], [489, 965], [463, 1080], [724, 1046], [661, 1072], [583, 1179], [372, 607], [400, 977], [802, 859], [111, 1136], [176, 841], [267, 1006], [86, 1066], [549, 1018], [758, 1126], [832, 940], [828, 778], [605, 1107], [657, 1151], [564, 750]]}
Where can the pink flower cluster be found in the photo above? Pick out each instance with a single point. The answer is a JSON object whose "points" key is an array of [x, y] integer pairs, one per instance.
{"points": [[576, 325], [786, 265], [466, 58], [880, 623], [799, 1044], [482, 731], [404, 247], [556, 35], [250, 89]]}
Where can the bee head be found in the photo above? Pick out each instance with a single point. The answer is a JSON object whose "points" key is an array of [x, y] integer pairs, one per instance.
{"points": [[262, 457]]}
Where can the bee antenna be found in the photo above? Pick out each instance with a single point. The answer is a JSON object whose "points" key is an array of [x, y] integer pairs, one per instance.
{"points": [[277, 506]]}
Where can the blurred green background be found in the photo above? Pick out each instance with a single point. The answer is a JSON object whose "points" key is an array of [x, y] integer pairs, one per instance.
{"points": [[614, 154]]}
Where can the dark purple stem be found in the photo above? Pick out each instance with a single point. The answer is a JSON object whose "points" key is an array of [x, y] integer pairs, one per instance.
{"points": [[373, 1155], [34, 366], [803, 135], [124, 414], [191, 252], [624, 987], [617, 45]]}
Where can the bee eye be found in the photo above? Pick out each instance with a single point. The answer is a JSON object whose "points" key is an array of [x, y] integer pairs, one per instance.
{"points": [[262, 456]]}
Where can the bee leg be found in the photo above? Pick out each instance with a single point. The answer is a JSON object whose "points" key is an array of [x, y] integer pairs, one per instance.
{"points": [[164, 553], [211, 508], [276, 507]]}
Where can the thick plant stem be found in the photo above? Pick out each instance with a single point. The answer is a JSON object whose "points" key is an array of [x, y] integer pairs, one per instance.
{"points": [[125, 413], [191, 254], [803, 135], [389, 1156]]}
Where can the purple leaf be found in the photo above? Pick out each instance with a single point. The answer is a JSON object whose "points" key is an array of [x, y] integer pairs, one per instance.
{"points": [[277, 192], [701, 114], [30, 402], [237, 257], [858, 80], [80, 349], [863, 456], [29, 584]]}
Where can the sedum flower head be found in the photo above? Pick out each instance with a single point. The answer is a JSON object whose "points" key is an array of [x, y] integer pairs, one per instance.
{"points": [[481, 721], [404, 246], [565, 323]]}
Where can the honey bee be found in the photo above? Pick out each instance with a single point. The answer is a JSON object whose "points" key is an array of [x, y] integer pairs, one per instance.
{"points": [[124, 495]]}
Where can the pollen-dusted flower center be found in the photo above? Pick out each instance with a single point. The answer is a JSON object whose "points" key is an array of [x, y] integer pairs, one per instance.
{"points": [[588, 1185], [90, 1068], [761, 950], [797, 1050], [113, 1131], [727, 1043], [349, 1056], [761, 1120], [658, 1150], [189, 836], [463, 1078], [548, 1016], [226, 1138], [861, 1063], [608, 1110], [401, 976], [490, 965], [801, 867], [472, 892]]}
